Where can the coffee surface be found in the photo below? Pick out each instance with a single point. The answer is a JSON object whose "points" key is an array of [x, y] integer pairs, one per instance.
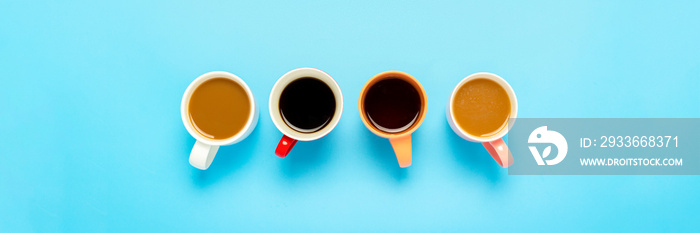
{"points": [[481, 107], [392, 105], [219, 108], [307, 105]]}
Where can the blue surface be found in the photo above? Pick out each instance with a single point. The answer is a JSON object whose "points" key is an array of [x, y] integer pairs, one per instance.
{"points": [[92, 138]]}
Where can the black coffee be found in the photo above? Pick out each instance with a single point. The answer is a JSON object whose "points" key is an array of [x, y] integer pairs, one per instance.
{"points": [[392, 105], [307, 105]]}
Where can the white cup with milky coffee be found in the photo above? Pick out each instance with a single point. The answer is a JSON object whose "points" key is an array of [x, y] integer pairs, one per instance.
{"points": [[217, 109]]}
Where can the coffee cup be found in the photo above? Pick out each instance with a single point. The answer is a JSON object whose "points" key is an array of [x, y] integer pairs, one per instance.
{"points": [[393, 105], [217, 109], [305, 105], [482, 108]]}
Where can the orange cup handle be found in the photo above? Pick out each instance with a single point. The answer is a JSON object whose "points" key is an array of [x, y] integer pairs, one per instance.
{"points": [[402, 148], [499, 151]]}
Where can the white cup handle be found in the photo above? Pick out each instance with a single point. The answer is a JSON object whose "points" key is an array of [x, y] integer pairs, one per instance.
{"points": [[202, 155]]}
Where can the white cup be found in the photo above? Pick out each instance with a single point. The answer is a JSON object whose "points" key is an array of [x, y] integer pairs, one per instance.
{"points": [[205, 149], [291, 136], [494, 144]]}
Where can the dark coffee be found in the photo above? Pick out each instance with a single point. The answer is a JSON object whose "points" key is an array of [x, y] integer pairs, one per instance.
{"points": [[392, 105], [307, 105]]}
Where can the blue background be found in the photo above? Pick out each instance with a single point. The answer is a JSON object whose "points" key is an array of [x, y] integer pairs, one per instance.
{"points": [[92, 138]]}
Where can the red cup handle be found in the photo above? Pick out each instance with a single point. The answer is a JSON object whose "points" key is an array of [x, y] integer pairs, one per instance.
{"points": [[285, 145], [499, 151]]}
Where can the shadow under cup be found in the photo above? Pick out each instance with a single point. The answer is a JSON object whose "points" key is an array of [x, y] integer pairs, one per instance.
{"points": [[482, 108]]}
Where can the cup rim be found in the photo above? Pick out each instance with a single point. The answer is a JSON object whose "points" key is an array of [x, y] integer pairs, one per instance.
{"points": [[184, 108], [282, 83], [406, 77], [511, 96]]}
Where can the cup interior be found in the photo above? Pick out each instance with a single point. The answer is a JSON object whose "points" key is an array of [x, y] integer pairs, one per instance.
{"points": [[513, 107], [184, 108], [387, 75], [283, 82]]}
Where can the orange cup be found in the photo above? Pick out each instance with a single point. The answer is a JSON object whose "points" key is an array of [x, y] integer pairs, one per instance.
{"points": [[401, 139]]}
